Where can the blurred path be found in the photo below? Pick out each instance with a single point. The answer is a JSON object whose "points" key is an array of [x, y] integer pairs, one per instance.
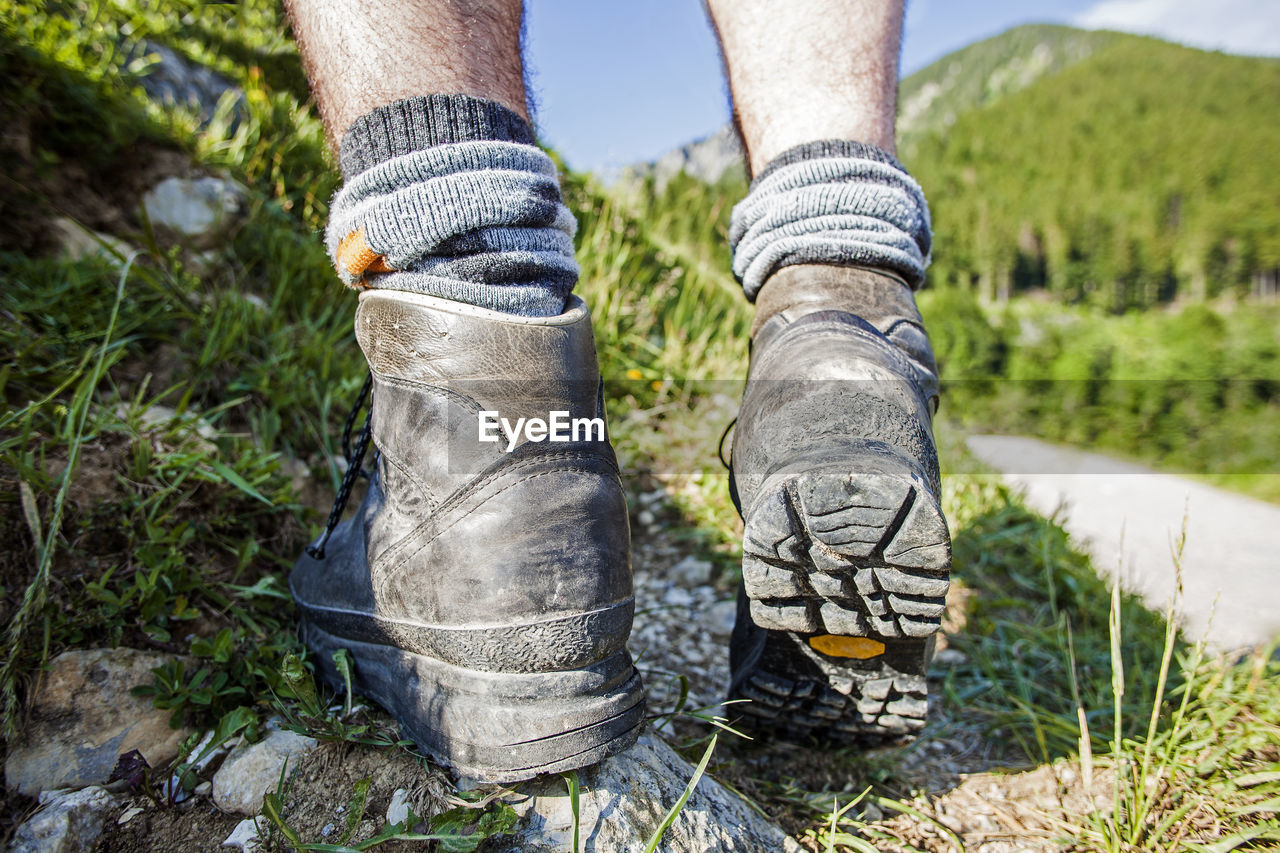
{"points": [[1233, 542]]}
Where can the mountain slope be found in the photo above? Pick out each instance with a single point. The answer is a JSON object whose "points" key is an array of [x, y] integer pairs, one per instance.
{"points": [[1140, 173], [932, 98]]}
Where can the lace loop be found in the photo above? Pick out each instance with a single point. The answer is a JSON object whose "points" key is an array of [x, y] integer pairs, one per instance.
{"points": [[355, 467]]}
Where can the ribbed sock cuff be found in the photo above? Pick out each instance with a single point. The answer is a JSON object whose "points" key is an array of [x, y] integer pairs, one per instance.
{"points": [[416, 124], [447, 195], [831, 202]]}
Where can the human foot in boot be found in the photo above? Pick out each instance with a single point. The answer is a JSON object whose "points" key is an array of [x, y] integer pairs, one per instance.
{"points": [[483, 591], [846, 553]]}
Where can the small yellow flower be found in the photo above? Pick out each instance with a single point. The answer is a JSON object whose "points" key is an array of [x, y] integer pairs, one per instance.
{"points": [[634, 374], [656, 384]]}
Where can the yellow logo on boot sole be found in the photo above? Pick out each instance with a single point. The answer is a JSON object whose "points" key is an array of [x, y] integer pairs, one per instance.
{"points": [[847, 647]]}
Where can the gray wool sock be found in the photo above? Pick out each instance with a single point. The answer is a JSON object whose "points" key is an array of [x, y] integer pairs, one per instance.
{"points": [[831, 202], [446, 195]]}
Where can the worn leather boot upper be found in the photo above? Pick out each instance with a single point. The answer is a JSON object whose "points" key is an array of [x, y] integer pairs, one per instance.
{"points": [[481, 558], [839, 359], [845, 552]]}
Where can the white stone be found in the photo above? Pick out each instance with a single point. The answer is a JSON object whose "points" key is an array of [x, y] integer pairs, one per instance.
{"points": [[950, 658], [197, 211], [253, 770], [76, 242], [691, 571], [156, 415], [70, 821], [244, 836], [398, 810], [623, 800], [677, 597]]}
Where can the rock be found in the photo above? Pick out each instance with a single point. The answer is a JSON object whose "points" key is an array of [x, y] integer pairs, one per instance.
{"points": [[244, 836], [175, 81], [398, 810], [69, 821], [949, 658], [129, 814], [156, 415], [76, 242], [298, 472], [197, 211], [253, 770], [708, 159], [83, 718], [722, 615], [677, 597], [623, 800], [691, 571]]}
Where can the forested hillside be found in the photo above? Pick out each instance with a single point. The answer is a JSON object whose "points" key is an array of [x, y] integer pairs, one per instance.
{"points": [[1141, 173], [933, 98]]}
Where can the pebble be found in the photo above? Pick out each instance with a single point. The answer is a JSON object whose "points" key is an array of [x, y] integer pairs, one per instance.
{"points": [[68, 822], [691, 571], [253, 770], [244, 836], [197, 211], [678, 597], [398, 810], [950, 657], [76, 242]]}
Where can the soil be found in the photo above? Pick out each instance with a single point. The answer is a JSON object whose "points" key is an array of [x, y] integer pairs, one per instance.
{"points": [[104, 199], [316, 804]]}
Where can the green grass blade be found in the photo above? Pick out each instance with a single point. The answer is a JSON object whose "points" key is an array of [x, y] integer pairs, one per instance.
{"points": [[571, 782], [34, 597], [230, 476], [656, 838]]}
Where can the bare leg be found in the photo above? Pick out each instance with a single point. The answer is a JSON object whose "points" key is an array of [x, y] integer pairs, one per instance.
{"points": [[804, 70], [360, 56]]}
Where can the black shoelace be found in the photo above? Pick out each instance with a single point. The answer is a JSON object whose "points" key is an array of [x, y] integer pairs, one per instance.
{"points": [[355, 466]]}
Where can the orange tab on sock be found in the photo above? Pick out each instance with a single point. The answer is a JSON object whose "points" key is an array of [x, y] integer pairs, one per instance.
{"points": [[355, 258]]}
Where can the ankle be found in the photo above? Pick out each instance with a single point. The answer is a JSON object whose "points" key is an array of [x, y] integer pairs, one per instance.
{"points": [[831, 202]]}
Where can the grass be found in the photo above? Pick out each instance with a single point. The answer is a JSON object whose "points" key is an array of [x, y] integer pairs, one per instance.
{"points": [[159, 420]]}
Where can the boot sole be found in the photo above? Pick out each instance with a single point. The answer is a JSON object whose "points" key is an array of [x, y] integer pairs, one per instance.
{"points": [[845, 574], [498, 727]]}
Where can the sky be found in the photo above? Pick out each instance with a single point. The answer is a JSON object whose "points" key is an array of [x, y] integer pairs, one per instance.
{"points": [[617, 82]]}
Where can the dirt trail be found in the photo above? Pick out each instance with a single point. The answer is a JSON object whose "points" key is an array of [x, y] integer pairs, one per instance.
{"points": [[1128, 515]]}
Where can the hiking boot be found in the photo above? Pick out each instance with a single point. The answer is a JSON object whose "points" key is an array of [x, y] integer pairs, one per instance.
{"points": [[845, 552], [483, 589]]}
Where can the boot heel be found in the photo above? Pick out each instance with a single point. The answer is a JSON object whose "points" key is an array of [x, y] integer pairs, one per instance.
{"points": [[500, 727], [845, 574]]}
